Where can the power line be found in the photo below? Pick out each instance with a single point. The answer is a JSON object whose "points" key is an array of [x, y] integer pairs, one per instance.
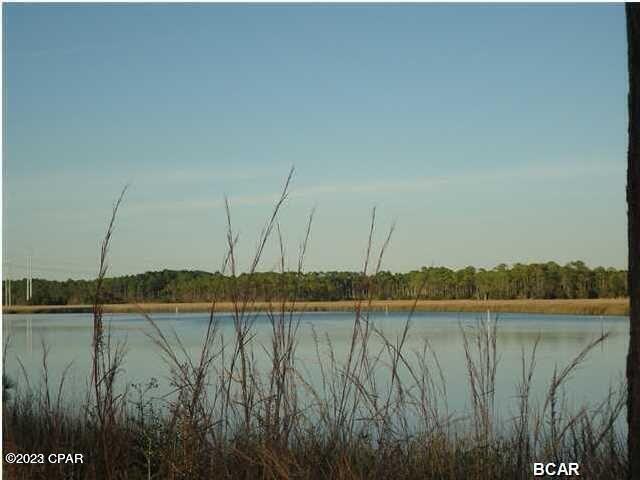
{"points": [[30, 266], [48, 269]]}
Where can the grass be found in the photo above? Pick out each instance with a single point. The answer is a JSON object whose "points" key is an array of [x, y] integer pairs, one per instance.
{"points": [[595, 306], [377, 411]]}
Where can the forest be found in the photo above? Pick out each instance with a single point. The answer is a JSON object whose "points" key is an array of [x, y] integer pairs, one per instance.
{"points": [[518, 281]]}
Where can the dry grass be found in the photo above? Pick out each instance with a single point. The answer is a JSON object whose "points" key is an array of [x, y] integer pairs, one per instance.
{"points": [[595, 306], [379, 410]]}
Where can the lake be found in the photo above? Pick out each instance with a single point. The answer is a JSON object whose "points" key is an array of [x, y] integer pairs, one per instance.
{"points": [[68, 337]]}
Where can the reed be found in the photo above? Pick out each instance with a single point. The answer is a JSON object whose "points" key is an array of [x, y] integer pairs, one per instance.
{"points": [[378, 410], [583, 306]]}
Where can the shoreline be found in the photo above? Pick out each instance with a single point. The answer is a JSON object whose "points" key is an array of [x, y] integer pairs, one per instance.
{"points": [[598, 306]]}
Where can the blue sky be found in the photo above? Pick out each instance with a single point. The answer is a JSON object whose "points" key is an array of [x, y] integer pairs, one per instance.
{"points": [[488, 133]]}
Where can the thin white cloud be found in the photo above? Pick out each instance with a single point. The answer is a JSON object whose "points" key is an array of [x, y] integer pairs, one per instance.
{"points": [[157, 176], [555, 171], [537, 172]]}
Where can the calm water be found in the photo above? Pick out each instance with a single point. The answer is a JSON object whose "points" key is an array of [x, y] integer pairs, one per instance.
{"points": [[562, 336]]}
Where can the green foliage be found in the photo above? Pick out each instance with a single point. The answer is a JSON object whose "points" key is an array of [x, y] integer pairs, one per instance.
{"points": [[534, 281]]}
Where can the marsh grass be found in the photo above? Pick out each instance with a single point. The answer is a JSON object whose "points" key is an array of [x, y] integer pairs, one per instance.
{"points": [[378, 410], [582, 306]]}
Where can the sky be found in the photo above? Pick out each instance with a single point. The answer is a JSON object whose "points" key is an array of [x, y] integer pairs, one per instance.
{"points": [[485, 133]]}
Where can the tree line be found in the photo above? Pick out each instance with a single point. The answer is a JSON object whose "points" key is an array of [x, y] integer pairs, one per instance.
{"points": [[519, 281]]}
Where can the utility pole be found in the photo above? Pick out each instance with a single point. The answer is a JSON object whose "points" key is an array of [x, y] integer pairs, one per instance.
{"points": [[8, 283], [29, 278]]}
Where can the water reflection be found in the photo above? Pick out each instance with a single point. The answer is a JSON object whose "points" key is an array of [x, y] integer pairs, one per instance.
{"points": [[561, 338]]}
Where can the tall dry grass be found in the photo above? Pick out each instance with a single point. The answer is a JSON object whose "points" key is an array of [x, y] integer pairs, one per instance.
{"points": [[378, 410]]}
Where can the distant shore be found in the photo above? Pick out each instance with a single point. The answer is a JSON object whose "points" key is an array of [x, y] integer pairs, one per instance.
{"points": [[598, 306]]}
